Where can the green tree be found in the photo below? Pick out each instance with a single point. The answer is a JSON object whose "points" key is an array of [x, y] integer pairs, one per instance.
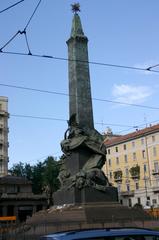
{"points": [[17, 170], [37, 178], [51, 182], [44, 176]]}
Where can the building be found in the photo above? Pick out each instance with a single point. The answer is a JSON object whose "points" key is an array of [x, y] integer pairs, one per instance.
{"points": [[17, 198], [133, 166], [4, 136]]}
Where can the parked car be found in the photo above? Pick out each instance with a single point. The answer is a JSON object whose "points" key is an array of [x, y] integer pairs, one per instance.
{"points": [[105, 234]]}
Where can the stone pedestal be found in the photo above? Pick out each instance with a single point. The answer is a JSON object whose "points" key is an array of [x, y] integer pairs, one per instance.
{"points": [[85, 196]]}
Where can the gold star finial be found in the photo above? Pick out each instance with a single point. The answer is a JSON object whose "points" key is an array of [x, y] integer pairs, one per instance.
{"points": [[75, 7]]}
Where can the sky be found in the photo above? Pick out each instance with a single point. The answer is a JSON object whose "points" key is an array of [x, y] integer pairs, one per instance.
{"points": [[119, 32]]}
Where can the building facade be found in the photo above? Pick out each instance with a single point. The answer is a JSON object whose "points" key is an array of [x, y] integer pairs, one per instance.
{"points": [[4, 136], [17, 198], [133, 166]]}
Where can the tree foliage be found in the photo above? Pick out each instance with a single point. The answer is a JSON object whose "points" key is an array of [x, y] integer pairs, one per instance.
{"points": [[44, 176]]}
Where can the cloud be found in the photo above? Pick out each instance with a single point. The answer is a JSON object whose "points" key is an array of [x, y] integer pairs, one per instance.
{"points": [[131, 94]]}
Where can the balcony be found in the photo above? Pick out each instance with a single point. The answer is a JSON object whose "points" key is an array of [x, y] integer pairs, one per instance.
{"points": [[127, 193], [155, 172], [135, 177], [4, 113], [119, 179]]}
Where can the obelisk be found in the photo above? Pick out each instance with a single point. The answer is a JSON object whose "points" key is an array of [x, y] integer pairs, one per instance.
{"points": [[81, 176], [80, 102]]}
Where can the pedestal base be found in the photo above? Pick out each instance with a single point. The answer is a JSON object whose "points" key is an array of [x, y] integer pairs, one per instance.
{"points": [[85, 196]]}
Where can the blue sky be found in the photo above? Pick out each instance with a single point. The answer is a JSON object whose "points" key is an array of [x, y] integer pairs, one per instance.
{"points": [[119, 32]]}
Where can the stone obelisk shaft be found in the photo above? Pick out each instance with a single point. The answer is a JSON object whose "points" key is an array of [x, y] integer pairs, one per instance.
{"points": [[80, 101]]}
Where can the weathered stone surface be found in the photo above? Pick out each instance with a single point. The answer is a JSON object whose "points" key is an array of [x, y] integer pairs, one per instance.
{"points": [[85, 196], [81, 176], [80, 102]]}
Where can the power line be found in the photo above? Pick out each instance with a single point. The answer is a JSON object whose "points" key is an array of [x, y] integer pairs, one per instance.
{"points": [[65, 94], [13, 5], [90, 62], [138, 126], [32, 15], [149, 68], [62, 120], [22, 32]]}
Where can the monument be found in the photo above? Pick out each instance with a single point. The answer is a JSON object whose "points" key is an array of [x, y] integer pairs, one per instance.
{"points": [[85, 199], [81, 176]]}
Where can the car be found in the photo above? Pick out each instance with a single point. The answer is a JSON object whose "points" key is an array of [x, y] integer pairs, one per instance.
{"points": [[105, 234]]}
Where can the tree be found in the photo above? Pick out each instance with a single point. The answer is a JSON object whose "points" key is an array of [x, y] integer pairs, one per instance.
{"points": [[51, 182], [37, 178], [44, 176], [17, 170]]}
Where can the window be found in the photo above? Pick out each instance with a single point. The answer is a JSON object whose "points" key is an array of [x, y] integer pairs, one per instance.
{"points": [[133, 144], [110, 174], [139, 200], [0, 146], [137, 185], [134, 156], [130, 203], [153, 138], [116, 149], [119, 188], [156, 166], [126, 158], [143, 154], [128, 187], [145, 168], [154, 201], [142, 141], [109, 162], [124, 146], [117, 160], [127, 172], [154, 151], [1, 167], [108, 151]]}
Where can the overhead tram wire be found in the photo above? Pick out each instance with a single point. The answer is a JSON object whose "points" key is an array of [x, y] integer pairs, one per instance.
{"points": [[13, 5], [36, 8], [72, 60], [22, 32], [62, 120], [65, 94], [138, 126], [149, 69]]}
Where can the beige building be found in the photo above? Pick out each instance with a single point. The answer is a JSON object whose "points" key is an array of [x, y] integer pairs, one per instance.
{"points": [[133, 166], [4, 136]]}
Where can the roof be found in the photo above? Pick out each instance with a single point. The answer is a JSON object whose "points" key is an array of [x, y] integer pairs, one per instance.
{"points": [[13, 180], [92, 233], [133, 135]]}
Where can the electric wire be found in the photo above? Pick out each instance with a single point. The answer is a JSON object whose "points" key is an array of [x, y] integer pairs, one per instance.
{"points": [[36, 8], [62, 120], [68, 95], [22, 32], [149, 68], [13, 5], [72, 60], [138, 126]]}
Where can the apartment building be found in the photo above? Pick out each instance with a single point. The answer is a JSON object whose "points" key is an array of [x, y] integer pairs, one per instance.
{"points": [[133, 166], [3, 136]]}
